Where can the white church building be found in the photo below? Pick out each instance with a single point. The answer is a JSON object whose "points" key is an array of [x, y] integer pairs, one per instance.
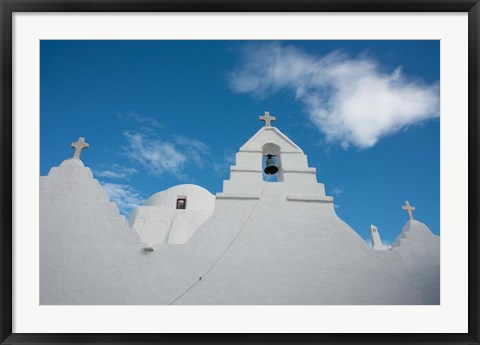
{"points": [[259, 241]]}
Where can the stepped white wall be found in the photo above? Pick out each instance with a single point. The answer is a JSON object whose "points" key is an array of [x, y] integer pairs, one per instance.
{"points": [[419, 249], [278, 243], [82, 239]]}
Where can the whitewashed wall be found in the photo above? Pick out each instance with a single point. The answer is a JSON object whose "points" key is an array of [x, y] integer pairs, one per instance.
{"points": [[265, 243]]}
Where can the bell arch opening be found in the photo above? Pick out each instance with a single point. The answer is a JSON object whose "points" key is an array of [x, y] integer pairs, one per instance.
{"points": [[271, 161]]}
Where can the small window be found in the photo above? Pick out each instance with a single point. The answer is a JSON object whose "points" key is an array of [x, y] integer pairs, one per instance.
{"points": [[181, 203]]}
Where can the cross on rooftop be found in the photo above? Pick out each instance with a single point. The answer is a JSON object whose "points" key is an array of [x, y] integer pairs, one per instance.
{"points": [[79, 145], [267, 118], [409, 209]]}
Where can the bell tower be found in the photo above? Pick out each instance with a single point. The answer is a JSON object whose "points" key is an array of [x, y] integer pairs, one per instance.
{"points": [[295, 178]]}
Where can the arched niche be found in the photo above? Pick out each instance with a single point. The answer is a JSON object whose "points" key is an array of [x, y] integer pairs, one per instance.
{"points": [[272, 149]]}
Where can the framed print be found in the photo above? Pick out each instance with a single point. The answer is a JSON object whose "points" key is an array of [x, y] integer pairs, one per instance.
{"points": [[239, 172]]}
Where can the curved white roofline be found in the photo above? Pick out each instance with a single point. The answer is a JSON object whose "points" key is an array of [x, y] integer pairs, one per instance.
{"points": [[197, 197]]}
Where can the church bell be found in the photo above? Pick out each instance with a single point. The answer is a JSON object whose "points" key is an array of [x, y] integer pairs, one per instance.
{"points": [[270, 166]]}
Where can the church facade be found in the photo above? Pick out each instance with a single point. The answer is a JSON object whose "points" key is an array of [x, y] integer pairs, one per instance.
{"points": [[257, 242]]}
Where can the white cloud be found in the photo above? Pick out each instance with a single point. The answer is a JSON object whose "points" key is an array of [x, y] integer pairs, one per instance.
{"points": [[145, 121], [351, 101], [116, 171], [337, 191], [156, 155], [223, 166], [194, 149], [124, 196], [163, 156]]}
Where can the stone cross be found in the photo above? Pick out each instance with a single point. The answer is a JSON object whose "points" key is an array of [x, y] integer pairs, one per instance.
{"points": [[79, 145], [267, 118], [409, 209]]}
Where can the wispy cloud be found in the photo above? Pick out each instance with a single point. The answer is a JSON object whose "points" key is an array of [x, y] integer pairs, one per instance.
{"points": [[194, 149], [116, 171], [350, 100], [144, 121], [222, 166], [159, 156], [125, 196], [337, 192], [156, 155]]}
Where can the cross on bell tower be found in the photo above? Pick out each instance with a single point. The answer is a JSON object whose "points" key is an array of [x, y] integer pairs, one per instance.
{"points": [[79, 145], [267, 119], [409, 209]]}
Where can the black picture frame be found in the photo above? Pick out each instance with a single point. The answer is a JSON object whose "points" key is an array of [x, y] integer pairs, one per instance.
{"points": [[8, 7]]}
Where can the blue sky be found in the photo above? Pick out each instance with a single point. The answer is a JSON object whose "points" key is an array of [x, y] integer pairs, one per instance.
{"points": [[161, 113]]}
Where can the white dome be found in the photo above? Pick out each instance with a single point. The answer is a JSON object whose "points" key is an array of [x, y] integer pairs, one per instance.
{"points": [[198, 198]]}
